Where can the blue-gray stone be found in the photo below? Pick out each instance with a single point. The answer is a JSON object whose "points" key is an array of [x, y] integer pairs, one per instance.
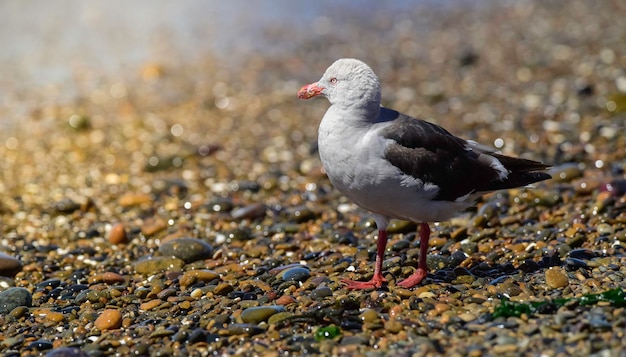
{"points": [[14, 297], [296, 274], [67, 352]]}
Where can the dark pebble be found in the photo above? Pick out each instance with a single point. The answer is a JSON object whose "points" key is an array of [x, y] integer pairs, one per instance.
{"points": [[300, 274], [459, 271], [67, 352], [14, 297], [66, 206], [77, 287], [238, 235], [396, 226], [575, 263], [48, 283], [9, 266], [197, 335], [566, 172], [220, 205], [321, 292], [244, 329], [187, 249], [302, 214], [584, 254], [40, 345], [253, 211], [400, 245], [355, 340], [140, 349], [18, 312]]}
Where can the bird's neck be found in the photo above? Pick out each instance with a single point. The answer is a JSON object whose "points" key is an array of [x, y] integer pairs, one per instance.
{"points": [[359, 114]]}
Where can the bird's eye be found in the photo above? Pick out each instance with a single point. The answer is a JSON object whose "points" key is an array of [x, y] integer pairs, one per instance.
{"points": [[333, 80]]}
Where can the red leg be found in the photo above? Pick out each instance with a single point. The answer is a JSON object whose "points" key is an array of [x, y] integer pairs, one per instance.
{"points": [[422, 268], [378, 279]]}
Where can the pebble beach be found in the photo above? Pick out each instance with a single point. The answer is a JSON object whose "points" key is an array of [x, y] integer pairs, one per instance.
{"points": [[178, 207]]}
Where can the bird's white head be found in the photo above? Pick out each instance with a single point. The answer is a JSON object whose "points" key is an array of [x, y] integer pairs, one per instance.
{"points": [[347, 83]]}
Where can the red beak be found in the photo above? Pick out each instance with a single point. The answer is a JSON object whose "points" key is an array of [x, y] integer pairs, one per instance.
{"points": [[310, 91]]}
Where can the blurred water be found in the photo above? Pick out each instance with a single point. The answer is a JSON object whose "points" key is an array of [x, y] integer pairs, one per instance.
{"points": [[43, 41], [47, 44]]}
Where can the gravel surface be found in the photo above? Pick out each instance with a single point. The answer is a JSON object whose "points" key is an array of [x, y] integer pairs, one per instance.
{"points": [[183, 210]]}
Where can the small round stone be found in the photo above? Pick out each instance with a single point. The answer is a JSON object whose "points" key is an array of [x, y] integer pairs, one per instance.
{"points": [[223, 289], [186, 249], [253, 211], [285, 300], [40, 345], [321, 292], [192, 276], [109, 319], [14, 297], [369, 315], [118, 235], [259, 313], [107, 277], [556, 278], [300, 274], [19, 312]]}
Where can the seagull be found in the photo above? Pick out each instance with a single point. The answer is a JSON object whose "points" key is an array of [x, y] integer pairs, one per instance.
{"points": [[400, 167]]}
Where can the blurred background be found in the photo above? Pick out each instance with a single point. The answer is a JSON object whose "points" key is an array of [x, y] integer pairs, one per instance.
{"points": [[131, 86]]}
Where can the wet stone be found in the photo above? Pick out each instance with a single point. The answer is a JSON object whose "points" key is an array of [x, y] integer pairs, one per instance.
{"points": [[19, 312], [556, 278], [299, 274], [369, 316], [621, 235], [244, 329], [220, 205], [109, 319], [152, 226], [397, 226], [14, 297], [66, 206], [302, 214], [257, 314], [355, 340], [40, 345], [223, 289], [118, 234], [583, 254], [604, 229], [155, 265], [566, 172], [280, 317], [253, 211], [192, 276], [107, 277], [400, 245], [238, 235], [9, 266], [321, 292], [575, 263], [187, 249], [67, 352]]}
